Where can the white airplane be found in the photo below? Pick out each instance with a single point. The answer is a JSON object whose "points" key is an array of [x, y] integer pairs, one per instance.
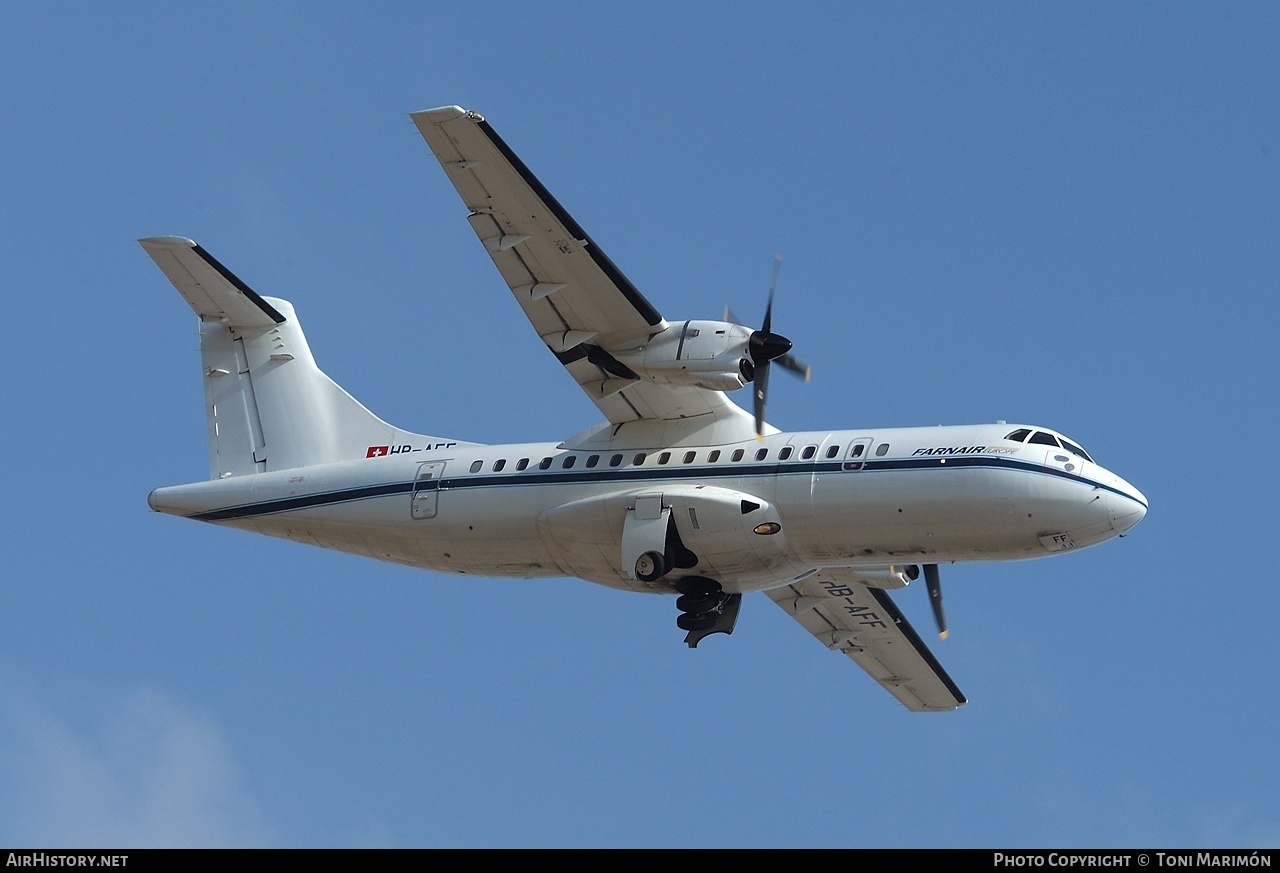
{"points": [[679, 492]]}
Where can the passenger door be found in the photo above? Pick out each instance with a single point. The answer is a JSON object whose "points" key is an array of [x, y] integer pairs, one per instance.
{"points": [[426, 490]]}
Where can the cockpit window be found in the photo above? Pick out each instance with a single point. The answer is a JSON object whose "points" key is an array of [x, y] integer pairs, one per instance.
{"points": [[1044, 439], [1072, 447], [1019, 435]]}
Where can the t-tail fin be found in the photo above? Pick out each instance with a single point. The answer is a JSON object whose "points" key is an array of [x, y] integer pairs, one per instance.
{"points": [[267, 405]]}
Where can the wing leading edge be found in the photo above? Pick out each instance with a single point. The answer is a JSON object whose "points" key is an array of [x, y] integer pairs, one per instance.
{"points": [[863, 623], [578, 301]]}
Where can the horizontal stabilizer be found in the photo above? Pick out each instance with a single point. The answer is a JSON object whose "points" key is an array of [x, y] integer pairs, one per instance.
{"points": [[213, 291]]}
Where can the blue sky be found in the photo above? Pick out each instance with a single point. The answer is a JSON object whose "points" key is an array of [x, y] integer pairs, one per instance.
{"points": [[1064, 214]]}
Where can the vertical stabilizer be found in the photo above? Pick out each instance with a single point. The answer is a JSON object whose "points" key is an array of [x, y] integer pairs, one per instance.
{"points": [[267, 405]]}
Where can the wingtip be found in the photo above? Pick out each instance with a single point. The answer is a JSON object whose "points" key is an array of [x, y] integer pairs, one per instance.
{"points": [[167, 241], [440, 114]]}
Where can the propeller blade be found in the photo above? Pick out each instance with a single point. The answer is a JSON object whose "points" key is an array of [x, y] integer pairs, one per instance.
{"points": [[767, 328], [761, 389], [765, 346], [795, 365], [933, 582]]}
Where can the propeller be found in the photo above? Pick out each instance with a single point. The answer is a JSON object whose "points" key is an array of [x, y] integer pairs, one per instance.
{"points": [[933, 582], [765, 347]]}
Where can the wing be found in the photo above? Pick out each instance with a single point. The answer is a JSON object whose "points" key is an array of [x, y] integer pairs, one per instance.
{"points": [[578, 301], [847, 616]]}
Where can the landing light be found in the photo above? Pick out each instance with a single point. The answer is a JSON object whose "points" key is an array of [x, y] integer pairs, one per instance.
{"points": [[767, 528]]}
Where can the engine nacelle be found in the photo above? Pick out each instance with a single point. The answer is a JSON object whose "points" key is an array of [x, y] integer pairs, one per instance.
{"points": [[708, 354]]}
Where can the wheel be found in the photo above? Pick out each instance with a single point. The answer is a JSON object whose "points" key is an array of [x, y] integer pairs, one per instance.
{"points": [[698, 585], [650, 566], [696, 602], [689, 622]]}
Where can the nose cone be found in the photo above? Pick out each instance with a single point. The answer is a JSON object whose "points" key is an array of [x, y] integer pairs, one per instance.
{"points": [[1127, 506]]}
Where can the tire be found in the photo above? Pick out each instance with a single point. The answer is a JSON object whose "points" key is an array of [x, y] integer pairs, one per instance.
{"points": [[696, 602], [650, 566], [689, 622], [697, 585]]}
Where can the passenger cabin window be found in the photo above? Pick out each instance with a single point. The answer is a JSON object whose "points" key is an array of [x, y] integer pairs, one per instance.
{"points": [[522, 463], [1044, 439], [713, 457], [785, 453], [615, 460], [809, 452], [593, 460], [856, 451], [832, 451], [664, 457], [544, 464], [1019, 435], [569, 461], [689, 456], [476, 465], [499, 464], [762, 454], [737, 454], [882, 450], [638, 459]]}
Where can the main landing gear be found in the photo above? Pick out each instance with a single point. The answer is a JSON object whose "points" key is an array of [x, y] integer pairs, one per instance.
{"points": [[705, 608]]}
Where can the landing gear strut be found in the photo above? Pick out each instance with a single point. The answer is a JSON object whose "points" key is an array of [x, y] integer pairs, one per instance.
{"points": [[705, 609]]}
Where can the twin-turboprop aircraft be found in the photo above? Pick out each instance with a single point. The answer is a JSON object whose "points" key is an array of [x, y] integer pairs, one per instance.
{"points": [[679, 492]]}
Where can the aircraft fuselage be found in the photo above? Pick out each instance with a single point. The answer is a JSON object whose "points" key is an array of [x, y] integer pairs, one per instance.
{"points": [[755, 514]]}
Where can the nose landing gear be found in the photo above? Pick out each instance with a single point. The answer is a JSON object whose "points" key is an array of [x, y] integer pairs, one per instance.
{"points": [[705, 609]]}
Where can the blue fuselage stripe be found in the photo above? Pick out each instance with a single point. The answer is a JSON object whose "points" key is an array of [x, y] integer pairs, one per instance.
{"points": [[624, 476]]}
